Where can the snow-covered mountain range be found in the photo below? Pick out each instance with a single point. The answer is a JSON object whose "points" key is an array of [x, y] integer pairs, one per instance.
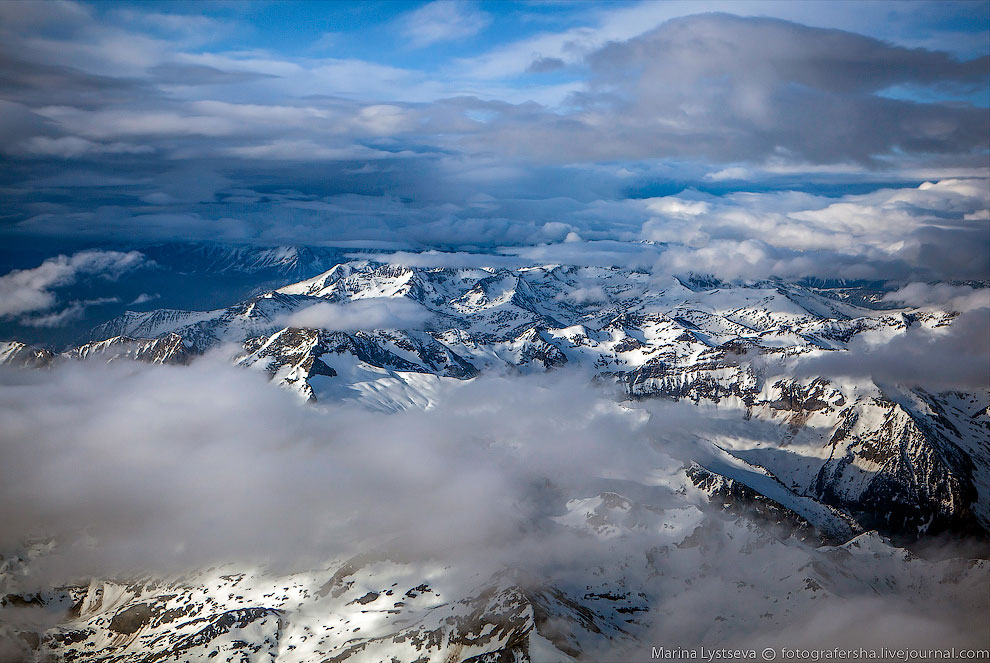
{"points": [[830, 472], [854, 446]]}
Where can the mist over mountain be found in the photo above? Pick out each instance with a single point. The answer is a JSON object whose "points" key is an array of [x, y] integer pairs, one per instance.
{"points": [[486, 332]]}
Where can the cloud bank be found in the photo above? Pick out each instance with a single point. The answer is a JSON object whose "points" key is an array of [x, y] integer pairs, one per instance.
{"points": [[249, 476], [936, 231], [28, 290], [956, 356], [793, 149], [383, 313]]}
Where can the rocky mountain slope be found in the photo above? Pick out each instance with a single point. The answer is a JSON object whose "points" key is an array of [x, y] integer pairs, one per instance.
{"points": [[382, 606]]}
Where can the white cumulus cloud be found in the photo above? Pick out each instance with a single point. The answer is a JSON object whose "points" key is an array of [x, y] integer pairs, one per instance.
{"points": [[27, 290]]}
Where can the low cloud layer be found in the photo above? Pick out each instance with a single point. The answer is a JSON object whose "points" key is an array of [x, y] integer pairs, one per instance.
{"points": [[945, 296], [228, 480], [956, 356], [249, 475]]}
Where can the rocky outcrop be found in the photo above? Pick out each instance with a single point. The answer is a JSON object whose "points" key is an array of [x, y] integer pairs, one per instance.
{"points": [[167, 349], [22, 355], [901, 477]]}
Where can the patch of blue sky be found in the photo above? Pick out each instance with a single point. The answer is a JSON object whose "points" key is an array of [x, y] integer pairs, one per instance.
{"points": [[374, 30], [928, 95]]}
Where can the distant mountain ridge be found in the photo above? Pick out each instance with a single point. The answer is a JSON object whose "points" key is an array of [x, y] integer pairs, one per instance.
{"points": [[285, 261]]}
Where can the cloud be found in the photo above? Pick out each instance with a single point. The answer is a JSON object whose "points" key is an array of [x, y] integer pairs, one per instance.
{"points": [[27, 290], [752, 259], [545, 65], [38, 83], [376, 313], [144, 298], [931, 231], [443, 20], [248, 476], [61, 318], [74, 311], [731, 88], [956, 356], [915, 25], [171, 501], [732, 173], [934, 231], [111, 123], [944, 296], [308, 149], [452, 259], [601, 253], [584, 295], [743, 90], [72, 147], [190, 185], [187, 75]]}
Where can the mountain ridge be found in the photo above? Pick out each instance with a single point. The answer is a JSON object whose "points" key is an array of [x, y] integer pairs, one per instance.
{"points": [[679, 339]]}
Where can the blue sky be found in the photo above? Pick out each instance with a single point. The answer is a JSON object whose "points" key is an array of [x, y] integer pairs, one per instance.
{"points": [[362, 29], [458, 124], [472, 42]]}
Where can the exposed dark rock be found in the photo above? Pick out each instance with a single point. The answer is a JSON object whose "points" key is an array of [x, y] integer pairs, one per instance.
{"points": [[737, 498], [131, 619]]}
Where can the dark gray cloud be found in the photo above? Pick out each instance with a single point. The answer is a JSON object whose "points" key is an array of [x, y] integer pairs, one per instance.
{"points": [[18, 121], [37, 83], [754, 49], [727, 88], [176, 73], [545, 65]]}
